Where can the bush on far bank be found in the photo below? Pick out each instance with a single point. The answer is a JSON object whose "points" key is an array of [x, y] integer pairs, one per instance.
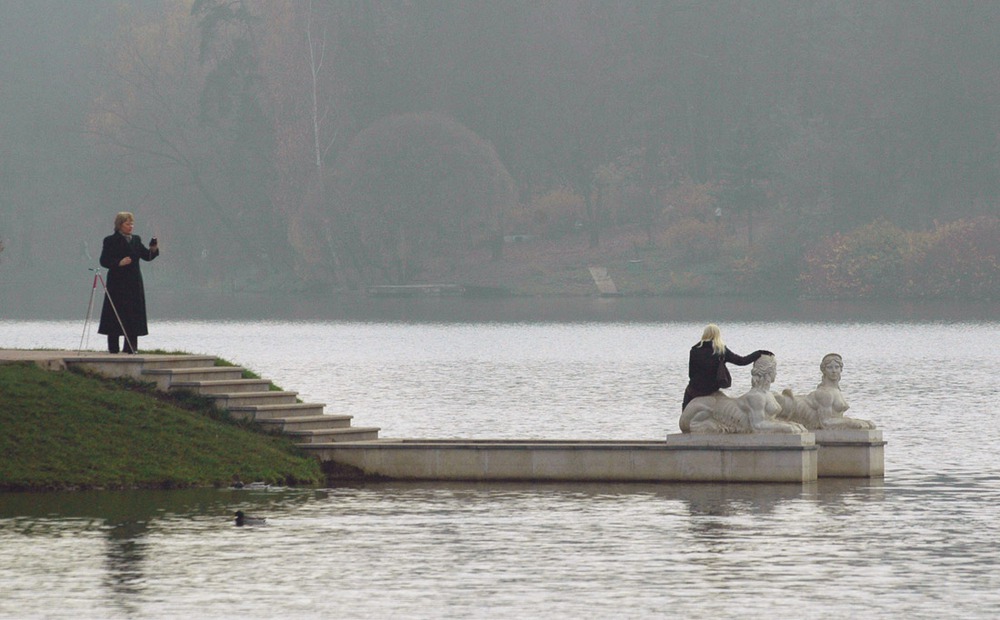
{"points": [[959, 259]]}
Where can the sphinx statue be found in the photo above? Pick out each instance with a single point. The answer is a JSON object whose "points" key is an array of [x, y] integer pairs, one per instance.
{"points": [[752, 412], [824, 407]]}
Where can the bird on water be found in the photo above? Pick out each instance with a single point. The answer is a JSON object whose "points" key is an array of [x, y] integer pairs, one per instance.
{"points": [[244, 519]]}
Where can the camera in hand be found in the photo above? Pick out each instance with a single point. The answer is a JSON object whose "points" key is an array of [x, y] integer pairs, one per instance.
{"points": [[152, 241]]}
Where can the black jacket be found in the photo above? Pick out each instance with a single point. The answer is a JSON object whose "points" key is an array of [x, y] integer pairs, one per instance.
{"points": [[124, 286], [703, 366]]}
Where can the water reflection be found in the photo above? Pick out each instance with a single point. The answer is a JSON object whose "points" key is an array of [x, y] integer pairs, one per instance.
{"points": [[509, 549], [835, 495], [126, 555], [124, 519], [733, 499]]}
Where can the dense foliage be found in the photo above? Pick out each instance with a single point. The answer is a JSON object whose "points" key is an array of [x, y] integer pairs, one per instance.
{"points": [[960, 259]]}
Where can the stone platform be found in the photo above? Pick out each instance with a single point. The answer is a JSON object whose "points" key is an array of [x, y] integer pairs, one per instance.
{"points": [[850, 453], [682, 458], [350, 452]]}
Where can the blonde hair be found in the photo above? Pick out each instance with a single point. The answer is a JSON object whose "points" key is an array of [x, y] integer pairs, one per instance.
{"points": [[121, 218], [713, 334]]}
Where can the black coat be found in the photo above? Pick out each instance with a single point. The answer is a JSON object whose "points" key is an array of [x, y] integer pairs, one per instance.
{"points": [[703, 367], [124, 286]]}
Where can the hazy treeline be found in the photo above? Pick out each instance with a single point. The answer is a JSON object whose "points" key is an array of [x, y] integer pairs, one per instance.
{"points": [[347, 142]]}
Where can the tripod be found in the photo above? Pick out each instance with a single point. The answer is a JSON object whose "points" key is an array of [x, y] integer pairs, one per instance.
{"points": [[90, 310]]}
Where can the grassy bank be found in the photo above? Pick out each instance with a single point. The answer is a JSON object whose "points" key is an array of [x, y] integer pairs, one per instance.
{"points": [[70, 430]]}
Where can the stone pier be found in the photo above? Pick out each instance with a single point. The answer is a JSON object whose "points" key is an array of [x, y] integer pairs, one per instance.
{"points": [[682, 458], [850, 453], [352, 452]]}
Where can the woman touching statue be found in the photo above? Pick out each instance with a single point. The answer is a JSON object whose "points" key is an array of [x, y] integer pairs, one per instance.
{"points": [[752, 412], [708, 360]]}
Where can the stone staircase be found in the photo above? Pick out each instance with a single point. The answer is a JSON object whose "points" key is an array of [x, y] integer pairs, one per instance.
{"points": [[248, 399]]}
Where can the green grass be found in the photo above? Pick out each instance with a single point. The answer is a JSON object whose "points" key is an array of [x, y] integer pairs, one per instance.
{"points": [[71, 430]]}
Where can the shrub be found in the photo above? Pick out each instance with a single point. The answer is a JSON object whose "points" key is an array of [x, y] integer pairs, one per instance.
{"points": [[868, 262], [690, 240], [556, 213], [691, 200], [958, 259]]}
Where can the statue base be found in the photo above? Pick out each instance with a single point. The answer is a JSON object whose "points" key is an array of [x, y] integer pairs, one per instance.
{"points": [[785, 458], [749, 457], [850, 453]]}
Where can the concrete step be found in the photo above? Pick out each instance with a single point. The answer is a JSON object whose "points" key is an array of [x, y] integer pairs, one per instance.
{"points": [[122, 365], [334, 435], [237, 399], [150, 362], [307, 422], [222, 387], [267, 412], [165, 377]]}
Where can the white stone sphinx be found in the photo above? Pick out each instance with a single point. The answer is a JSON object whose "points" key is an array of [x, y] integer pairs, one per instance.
{"points": [[752, 412], [824, 407]]}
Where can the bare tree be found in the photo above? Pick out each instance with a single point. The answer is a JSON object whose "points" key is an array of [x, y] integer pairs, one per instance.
{"points": [[150, 120]]}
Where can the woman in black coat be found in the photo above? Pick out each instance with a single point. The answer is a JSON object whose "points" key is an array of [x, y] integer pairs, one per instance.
{"points": [[120, 255], [708, 360]]}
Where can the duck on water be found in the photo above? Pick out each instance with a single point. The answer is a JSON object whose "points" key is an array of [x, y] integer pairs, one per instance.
{"points": [[244, 519]]}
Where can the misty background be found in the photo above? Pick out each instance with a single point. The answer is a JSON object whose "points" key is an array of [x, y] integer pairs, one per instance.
{"points": [[820, 147]]}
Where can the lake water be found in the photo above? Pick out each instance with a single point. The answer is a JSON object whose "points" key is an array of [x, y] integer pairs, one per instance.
{"points": [[921, 543]]}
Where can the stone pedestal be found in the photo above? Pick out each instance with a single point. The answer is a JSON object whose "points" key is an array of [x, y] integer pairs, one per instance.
{"points": [[753, 457], [681, 458], [850, 453]]}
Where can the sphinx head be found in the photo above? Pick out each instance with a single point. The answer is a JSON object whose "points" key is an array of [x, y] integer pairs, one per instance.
{"points": [[764, 371], [831, 366]]}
